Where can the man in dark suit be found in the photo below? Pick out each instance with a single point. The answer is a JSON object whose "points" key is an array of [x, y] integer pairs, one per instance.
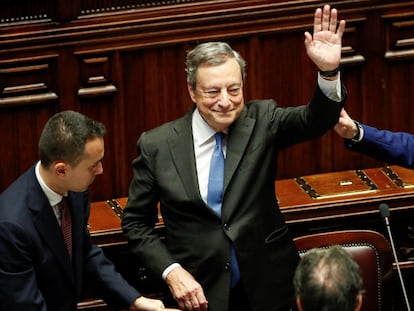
{"points": [[39, 269], [241, 255], [383, 145]]}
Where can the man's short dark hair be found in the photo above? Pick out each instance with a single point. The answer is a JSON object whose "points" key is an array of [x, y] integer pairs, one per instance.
{"points": [[65, 135]]}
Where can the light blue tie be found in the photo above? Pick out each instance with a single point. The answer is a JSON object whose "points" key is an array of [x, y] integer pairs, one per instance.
{"points": [[215, 194], [216, 176]]}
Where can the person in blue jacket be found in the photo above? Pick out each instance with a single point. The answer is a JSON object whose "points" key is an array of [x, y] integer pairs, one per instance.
{"points": [[383, 145]]}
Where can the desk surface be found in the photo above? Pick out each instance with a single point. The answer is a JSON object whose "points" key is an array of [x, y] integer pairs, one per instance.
{"points": [[309, 203]]}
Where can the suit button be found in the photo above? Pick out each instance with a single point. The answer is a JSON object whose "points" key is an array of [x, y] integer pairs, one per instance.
{"points": [[227, 227], [227, 266]]}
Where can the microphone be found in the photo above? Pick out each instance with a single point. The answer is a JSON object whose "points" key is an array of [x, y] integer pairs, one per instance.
{"points": [[385, 214]]}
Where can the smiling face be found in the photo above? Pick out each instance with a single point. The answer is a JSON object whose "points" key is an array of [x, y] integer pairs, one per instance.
{"points": [[219, 93]]}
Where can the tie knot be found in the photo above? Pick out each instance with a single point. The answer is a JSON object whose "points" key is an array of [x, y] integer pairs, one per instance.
{"points": [[63, 203], [219, 138]]}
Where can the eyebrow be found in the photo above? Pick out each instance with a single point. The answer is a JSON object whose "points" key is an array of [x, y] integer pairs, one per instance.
{"points": [[203, 88]]}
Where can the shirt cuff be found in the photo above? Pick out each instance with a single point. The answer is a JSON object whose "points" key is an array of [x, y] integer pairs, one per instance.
{"points": [[169, 269], [331, 88]]}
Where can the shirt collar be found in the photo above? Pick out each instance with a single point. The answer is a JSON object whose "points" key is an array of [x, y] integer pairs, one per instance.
{"points": [[202, 132], [53, 197]]}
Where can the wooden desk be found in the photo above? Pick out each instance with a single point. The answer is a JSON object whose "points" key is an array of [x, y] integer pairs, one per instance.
{"points": [[321, 202], [349, 199], [310, 204]]}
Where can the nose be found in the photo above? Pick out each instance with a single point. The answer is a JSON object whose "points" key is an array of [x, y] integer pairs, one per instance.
{"points": [[224, 98], [99, 169]]}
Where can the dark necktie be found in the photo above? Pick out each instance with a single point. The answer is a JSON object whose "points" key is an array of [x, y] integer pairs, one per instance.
{"points": [[66, 225], [215, 194]]}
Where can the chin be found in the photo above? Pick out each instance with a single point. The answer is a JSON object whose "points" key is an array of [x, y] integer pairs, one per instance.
{"points": [[226, 121]]}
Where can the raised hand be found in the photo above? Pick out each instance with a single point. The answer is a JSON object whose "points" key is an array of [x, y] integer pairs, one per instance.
{"points": [[324, 48]]}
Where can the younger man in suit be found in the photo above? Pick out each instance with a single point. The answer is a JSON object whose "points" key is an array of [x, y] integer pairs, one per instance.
{"points": [[39, 269]]}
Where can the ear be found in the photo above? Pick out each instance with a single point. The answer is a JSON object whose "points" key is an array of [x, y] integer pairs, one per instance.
{"points": [[60, 168], [299, 303], [359, 302], [191, 92]]}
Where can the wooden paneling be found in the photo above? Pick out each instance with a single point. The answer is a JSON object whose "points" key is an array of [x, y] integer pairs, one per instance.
{"points": [[122, 62], [28, 81]]}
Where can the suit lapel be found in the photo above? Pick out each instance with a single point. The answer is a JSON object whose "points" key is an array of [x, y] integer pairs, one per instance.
{"points": [[182, 151], [48, 227], [237, 140]]}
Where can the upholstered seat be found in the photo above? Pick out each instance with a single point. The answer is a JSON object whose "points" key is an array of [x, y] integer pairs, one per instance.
{"points": [[371, 250]]}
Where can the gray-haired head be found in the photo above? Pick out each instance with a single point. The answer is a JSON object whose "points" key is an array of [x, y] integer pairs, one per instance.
{"points": [[210, 53], [328, 279]]}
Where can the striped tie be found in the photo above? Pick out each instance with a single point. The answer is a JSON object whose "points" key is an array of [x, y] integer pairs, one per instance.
{"points": [[66, 225]]}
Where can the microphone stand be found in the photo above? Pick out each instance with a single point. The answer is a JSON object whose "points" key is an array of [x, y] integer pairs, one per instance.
{"points": [[397, 263]]}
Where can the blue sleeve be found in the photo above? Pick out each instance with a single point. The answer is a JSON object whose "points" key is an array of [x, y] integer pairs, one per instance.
{"points": [[391, 147]]}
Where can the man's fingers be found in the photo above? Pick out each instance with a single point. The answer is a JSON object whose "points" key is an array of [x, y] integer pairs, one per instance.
{"points": [[326, 17], [333, 20], [203, 303], [341, 28], [189, 303], [317, 23]]}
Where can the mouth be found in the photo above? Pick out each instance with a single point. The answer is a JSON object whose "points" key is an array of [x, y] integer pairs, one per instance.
{"points": [[223, 112]]}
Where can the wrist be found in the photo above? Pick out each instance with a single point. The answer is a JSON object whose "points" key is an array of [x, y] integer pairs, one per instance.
{"points": [[357, 136], [329, 73]]}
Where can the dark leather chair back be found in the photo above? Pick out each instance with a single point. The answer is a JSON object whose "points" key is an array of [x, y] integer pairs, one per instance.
{"points": [[372, 251]]}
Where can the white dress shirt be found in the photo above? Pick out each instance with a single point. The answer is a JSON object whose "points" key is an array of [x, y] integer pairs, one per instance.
{"points": [[53, 197], [204, 142]]}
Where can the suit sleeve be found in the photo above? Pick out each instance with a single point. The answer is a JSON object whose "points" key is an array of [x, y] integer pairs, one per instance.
{"points": [[298, 124], [383, 145], [18, 285], [141, 212], [114, 288]]}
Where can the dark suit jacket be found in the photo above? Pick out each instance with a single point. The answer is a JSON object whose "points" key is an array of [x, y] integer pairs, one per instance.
{"points": [[390, 147], [195, 236], [35, 269]]}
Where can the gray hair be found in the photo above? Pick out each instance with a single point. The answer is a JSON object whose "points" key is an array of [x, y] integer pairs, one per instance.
{"points": [[210, 53], [328, 279]]}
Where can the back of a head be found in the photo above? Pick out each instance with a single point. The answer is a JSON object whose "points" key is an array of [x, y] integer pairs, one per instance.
{"points": [[64, 137], [328, 279]]}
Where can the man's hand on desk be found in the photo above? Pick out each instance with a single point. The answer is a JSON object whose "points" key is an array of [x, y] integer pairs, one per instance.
{"points": [[186, 290], [147, 304]]}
